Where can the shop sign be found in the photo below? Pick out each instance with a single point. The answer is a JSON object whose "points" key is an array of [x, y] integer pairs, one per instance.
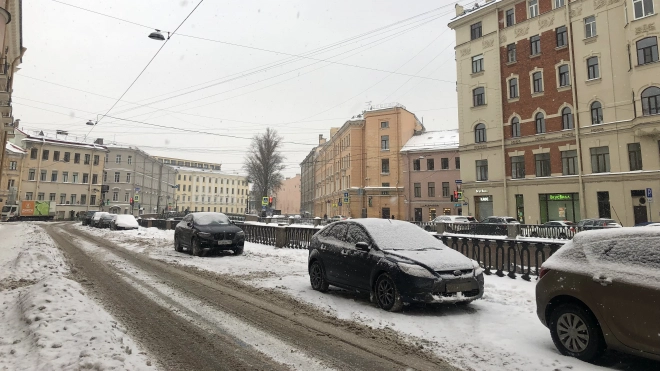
{"points": [[481, 191], [560, 197], [485, 199]]}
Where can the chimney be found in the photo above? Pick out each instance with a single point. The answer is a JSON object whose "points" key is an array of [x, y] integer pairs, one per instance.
{"points": [[99, 141], [459, 10], [333, 131], [321, 139]]}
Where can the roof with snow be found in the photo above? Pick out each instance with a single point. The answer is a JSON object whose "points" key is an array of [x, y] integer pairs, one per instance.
{"points": [[12, 148], [202, 170], [60, 138], [432, 141], [477, 6]]}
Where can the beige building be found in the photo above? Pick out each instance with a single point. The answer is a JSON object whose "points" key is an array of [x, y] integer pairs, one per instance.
{"points": [[359, 171], [11, 171], [558, 103], [210, 190], [287, 198], [63, 169], [11, 53]]}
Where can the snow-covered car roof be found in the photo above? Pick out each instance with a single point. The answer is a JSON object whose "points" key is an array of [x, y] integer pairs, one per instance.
{"points": [[392, 234]]}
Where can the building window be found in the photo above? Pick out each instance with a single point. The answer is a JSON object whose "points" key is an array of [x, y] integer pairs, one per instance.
{"points": [[513, 88], [118, 159], [533, 8], [13, 165], [62, 198], [65, 177], [537, 80], [592, 68], [51, 197], [445, 189], [647, 50], [458, 163], [32, 174], [126, 199], [44, 154], [596, 113], [564, 78], [117, 177], [480, 133], [128, 177], [604, 210], [130, 160], [510, 17], [431, 189], [115, 196], [88, 159], [92, 200], [384, 142], [418, 189], [384, 166], [41, 196], [517, 167], [43, 175], [95, 179], [635, 156], [28, 196], [589, 27], [566, 119], [444, 163], [34, 153], [559, 3], [515, 127], [53, 176], [643, 8], [83, 199], [75, 178], [482, 170], [56, 155], [475, 31], [600, 159], [542, 164], [384, 124], [479, 96], [85, 179], [535, 43], [73, 199], [540, 123], [511, 53], [651, 101], [105, 177], [385, 192], [477, 63], [76, 158], [430, 164], [96, 160], [562, 36]]}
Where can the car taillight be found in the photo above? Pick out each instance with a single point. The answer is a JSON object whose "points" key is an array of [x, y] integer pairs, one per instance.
{"points": [[543, 272]]}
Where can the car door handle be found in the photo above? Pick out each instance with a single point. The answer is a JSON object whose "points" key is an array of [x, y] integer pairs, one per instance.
{"points": [[604, 281]]}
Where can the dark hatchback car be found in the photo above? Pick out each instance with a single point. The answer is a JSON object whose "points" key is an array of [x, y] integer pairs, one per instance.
{"points": [[87, 217], [208, 232], [396, 261], [104, 221]]}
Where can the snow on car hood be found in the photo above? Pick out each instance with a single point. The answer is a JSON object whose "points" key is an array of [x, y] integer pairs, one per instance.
{"points": [[126, 221], [439, 260]]}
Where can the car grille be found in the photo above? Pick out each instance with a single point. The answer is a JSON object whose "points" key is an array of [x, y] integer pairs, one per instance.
{"points": [[230, 235], [451, 272], [224, 236]]}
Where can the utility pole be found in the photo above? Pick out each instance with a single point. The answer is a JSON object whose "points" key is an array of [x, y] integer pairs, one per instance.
{"points": [[160, 181]]}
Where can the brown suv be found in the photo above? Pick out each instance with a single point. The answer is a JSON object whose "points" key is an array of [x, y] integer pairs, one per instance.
{"points": [[602, 290]]}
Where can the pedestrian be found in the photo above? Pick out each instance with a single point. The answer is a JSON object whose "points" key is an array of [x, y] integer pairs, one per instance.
{"points": [[325, 216]]}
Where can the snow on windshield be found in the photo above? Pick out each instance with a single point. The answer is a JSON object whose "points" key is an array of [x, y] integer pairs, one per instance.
{"points": [[125, 218], [210, 218], [399, 235]]}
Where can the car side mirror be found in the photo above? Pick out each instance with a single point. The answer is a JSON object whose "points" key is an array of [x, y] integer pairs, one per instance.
{"points": [[190, 224], [362, 246]]}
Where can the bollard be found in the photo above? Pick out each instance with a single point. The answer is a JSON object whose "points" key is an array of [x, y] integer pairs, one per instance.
{"points": [[316, 221], [149, 223], [512, 231], [280, 237], [440, 228]]}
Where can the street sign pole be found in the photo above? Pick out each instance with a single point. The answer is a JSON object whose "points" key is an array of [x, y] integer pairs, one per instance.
{"points": [[649, 197]]}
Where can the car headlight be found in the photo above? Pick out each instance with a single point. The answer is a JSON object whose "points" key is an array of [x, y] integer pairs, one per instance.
{"points": [[415, 270], [476, 268], [240, 233], [204, 234]]}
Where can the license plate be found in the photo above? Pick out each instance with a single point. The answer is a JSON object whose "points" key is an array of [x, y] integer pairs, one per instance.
{"points": [[224, 242], [458, 287]]}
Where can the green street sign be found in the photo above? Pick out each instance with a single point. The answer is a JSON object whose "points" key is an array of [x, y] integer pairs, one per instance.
{"points": [[264, 201]]}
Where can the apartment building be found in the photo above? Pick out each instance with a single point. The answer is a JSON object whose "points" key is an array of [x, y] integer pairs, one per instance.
{"points": [[11, 171], [287, 198], [431, 165], [210, 190], [359, 171], [189, 163], [61, 168], [558, 104], [133, 175], [11, 54], [307, 183]]}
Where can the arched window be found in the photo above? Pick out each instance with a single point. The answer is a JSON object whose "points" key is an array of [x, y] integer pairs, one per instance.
{"points": [[566, 119], [515, 127], [540, 123], [651, 101], [480, 133], [596, 113]]}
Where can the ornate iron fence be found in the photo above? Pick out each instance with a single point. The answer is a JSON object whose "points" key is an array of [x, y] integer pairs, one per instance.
{"points": [[298, 238], [484, 229], [262, 234]]}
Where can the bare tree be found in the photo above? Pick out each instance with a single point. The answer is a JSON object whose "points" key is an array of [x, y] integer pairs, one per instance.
{"points": [[264, 163]]}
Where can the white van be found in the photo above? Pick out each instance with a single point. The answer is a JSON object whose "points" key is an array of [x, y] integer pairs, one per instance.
{"points": [[454, 219]]}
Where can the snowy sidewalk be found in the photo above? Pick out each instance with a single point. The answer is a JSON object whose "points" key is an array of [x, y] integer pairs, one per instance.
{"points": [[47, 322]]}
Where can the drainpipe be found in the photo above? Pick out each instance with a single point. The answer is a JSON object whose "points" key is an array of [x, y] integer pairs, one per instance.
{"points": [[501, 114], [576, 116], [398, 159]]}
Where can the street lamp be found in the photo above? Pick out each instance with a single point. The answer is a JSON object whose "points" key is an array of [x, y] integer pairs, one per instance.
{"points": [[92, 123], [156, 35]]}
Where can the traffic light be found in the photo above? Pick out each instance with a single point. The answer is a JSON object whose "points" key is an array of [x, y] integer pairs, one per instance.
{"points": [[131, 202], [270, 201], [455, 197]]}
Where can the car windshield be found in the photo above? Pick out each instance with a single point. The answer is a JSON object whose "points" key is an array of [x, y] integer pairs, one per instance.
{"points": [[6, 209], [125, 218], [211, 219], [399, 235], [511, 220]]}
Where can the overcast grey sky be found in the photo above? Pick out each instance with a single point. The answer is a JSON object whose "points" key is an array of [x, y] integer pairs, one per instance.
{"points": [[100, 57]]}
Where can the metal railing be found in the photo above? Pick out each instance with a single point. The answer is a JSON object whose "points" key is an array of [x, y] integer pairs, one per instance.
{"points": [[484, 229], [261, 234]]}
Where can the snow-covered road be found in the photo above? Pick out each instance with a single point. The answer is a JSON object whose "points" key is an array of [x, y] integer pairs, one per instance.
{"points": [[499, 332]]}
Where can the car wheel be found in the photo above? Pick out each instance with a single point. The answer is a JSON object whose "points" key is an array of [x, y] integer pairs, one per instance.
{"points": [[387, 295], [177, 245], [576, 333], [317, 277], [196, 248], [238, 250]]}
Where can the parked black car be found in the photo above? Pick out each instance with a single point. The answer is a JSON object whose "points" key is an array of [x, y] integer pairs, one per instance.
{"points": [[87, 217], [204, 232], [396, 261], [104, 221]]}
